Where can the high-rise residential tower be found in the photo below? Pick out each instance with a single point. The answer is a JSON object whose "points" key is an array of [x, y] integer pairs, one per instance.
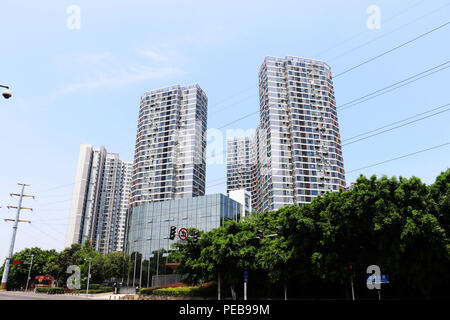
{"points": [[169, 161], [240, 162], [298, 142], [296, 152], [100, 200]]}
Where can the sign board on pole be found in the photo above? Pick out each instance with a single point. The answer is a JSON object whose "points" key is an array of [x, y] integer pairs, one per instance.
{"points": [[183, 234], [246, 275], [375, 279]]}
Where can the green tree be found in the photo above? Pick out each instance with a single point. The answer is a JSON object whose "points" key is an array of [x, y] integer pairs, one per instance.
{"points": [[225, 251], [386, 222], [18, 274]]}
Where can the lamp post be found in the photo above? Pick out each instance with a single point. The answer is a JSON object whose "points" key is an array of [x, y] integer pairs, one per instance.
{"points": [[29, 270], [89, 275], [6, 93]]}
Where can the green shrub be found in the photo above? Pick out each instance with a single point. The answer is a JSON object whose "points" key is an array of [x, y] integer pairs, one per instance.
{"points": [[149, 291], [96, 289], [50, 290], [202, 291]]}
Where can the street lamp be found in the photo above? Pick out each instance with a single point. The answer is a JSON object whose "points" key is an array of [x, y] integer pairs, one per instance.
{"points": [[6, 93], [89, 275], [29, 270]]}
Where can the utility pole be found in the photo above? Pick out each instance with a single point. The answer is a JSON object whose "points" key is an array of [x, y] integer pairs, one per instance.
{"points": [[89, 275], [29, 270], [13, 238], [245, 283], [218, 286], [351, 281]]}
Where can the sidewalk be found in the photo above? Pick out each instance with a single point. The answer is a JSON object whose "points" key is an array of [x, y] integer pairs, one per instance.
{"points": [[96, 296]]}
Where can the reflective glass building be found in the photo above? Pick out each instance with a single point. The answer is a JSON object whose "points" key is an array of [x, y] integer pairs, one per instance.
{"points": [[149, 224]]}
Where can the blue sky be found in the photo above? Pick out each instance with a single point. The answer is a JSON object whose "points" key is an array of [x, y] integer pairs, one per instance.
{"points": [[84, 85]]}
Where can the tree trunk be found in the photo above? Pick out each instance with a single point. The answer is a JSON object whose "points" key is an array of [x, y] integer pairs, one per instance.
{"points": [[218, 287], [285, 290], [233, 292]]}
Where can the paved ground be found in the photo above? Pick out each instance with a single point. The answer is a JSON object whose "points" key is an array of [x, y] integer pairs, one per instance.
{"points": [[17, 295]]}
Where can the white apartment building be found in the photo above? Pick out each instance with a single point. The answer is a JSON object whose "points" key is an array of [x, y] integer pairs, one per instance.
{"points": [[243, 197], [299, 152], [100, 200], [169, 160], [297, 147], [240, 162]]}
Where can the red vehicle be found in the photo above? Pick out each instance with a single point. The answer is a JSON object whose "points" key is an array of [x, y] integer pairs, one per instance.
{"points": [[44, 281]]}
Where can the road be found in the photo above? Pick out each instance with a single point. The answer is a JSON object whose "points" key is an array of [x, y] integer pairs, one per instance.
{"points": [[8, 295]]}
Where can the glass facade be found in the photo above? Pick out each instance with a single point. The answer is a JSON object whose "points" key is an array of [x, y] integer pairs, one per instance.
{"points": [[149, 224]]}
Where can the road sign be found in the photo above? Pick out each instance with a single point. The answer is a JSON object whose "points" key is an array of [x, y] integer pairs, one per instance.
{"points": [[246, 275], [382, 278], [183, 234]]}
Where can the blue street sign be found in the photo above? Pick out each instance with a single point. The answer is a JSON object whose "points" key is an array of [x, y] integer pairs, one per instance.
{"points": [[246, 275], [382, 278]]}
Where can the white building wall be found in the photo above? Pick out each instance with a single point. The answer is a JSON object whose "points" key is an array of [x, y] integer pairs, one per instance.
{"points": [[74, 228], [244, 198]]}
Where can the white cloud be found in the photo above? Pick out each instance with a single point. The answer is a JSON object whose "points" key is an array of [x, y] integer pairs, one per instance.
{"points": [[121, 77], [162, 54], [105, 70], [153, 55]]}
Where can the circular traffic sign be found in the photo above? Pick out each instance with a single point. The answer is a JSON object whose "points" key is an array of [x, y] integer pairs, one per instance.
{"points": [[183, 234]]}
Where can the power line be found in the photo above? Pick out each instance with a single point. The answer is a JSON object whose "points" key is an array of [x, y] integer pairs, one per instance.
{"points": [[239, 119], [348, 70], [391, 124], [393, 49], [45, 233], [14, 233], [374, 94], [325, 51], [388, 33], [399, 126], [218, 184], [47, 241], [54, 202], [58, 187], [365, 31], [386, 161], [367, 96], [234, 104], [371, 95], [55, 219], [400, 157]]}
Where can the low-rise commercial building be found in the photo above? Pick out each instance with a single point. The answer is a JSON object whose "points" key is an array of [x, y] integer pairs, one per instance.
{"points": [[148, 227]]}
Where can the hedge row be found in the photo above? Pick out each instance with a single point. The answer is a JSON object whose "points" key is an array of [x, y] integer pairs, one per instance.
{"points": [[96, 289], [58, 290], [50, 290], [185, 291], [149, 291]]}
